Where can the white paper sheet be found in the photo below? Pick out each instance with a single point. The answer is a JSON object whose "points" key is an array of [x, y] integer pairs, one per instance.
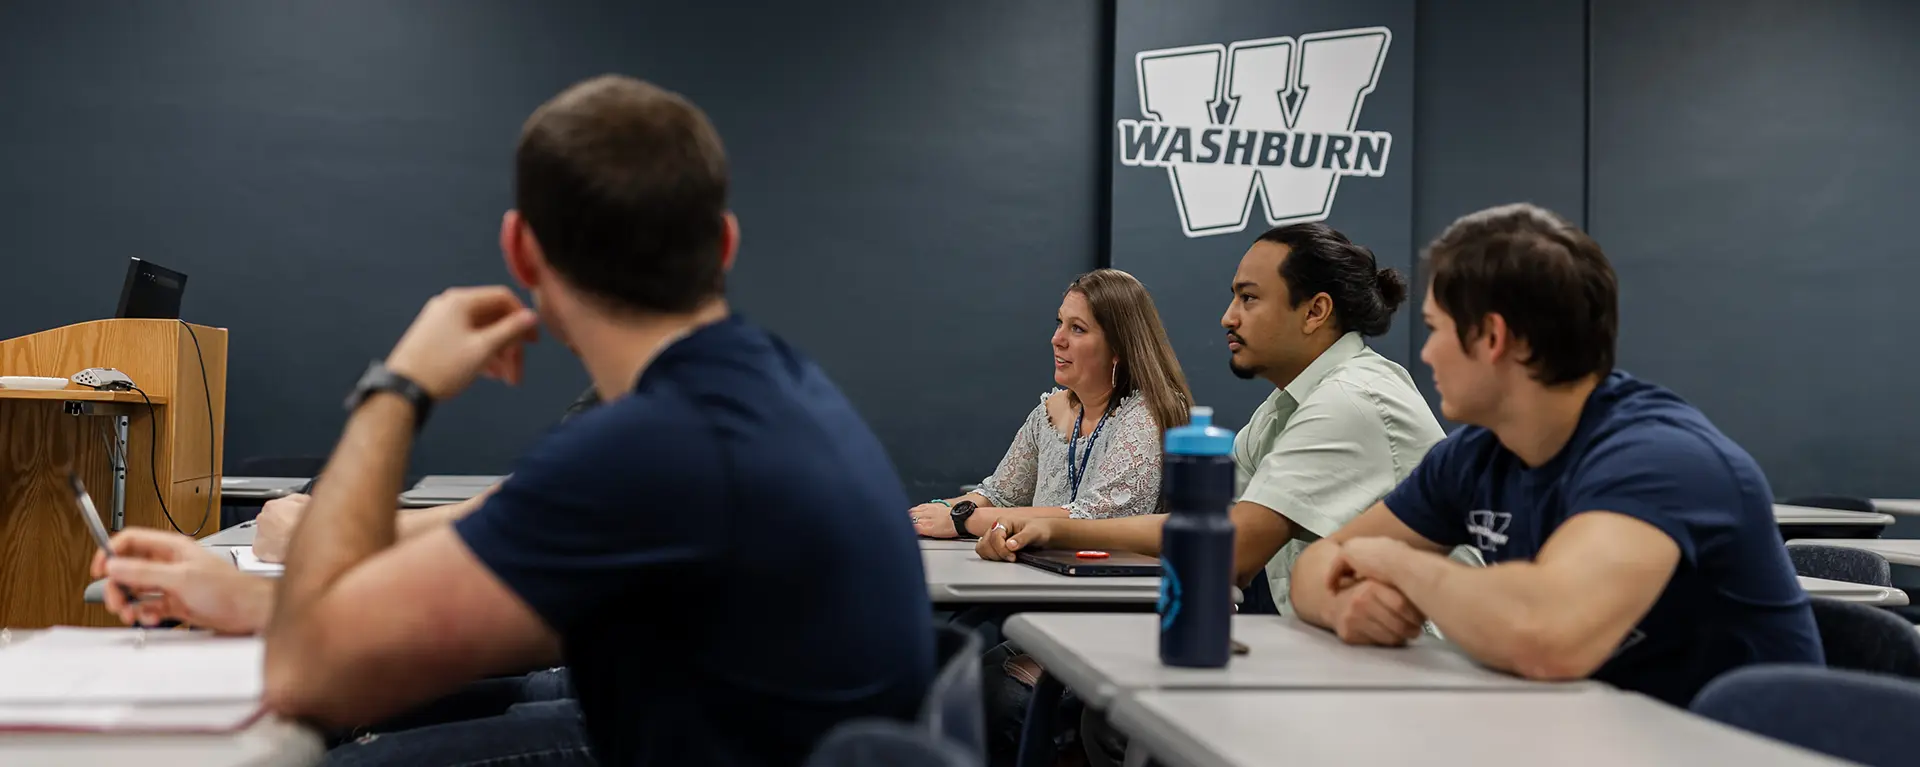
{"points": [[244, 559], [74, 668]]}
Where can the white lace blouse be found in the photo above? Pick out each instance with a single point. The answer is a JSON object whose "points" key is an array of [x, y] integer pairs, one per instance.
{"points": [[1123, 473]]}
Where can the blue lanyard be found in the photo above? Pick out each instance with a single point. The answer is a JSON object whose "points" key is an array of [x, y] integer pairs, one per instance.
{"points": [[1074, 475]]}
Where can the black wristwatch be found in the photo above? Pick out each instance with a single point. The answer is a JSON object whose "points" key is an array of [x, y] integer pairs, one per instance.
{"points": [[379, 379], [963, 511]]}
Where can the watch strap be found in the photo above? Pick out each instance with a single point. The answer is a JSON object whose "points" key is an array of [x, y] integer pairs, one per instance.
{"points": [[962, 512], [379, 378]]}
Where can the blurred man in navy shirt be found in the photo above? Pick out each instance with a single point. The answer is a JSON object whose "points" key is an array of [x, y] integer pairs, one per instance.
{"points": [[637, 542]]}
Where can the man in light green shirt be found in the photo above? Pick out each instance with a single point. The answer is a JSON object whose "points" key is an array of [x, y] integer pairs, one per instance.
{"points": [[1328, 444], [1342, 428]]}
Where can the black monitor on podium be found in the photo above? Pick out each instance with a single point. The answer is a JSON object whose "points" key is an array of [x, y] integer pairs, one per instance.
{"points": [[151, 292]]}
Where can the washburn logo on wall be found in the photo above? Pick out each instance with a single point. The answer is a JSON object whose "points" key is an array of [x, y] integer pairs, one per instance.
{"points": [[1276, 114]]}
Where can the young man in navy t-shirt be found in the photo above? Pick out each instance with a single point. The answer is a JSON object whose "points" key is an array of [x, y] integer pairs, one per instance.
{"points": [[716, 552], [1628, 539]]}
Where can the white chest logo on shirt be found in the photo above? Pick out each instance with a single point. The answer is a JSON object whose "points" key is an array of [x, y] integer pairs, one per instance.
{"points": [[1489, 528]]}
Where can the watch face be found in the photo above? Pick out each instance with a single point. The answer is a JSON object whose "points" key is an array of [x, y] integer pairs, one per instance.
{"points": [[363, 388], [964, 507]]}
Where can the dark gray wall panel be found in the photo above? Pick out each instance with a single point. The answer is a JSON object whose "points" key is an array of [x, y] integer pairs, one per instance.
{"points": [[1753, 171]]}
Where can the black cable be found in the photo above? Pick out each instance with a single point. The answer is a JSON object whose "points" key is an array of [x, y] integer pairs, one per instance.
{"points": [[153, 442], [153, 468]]}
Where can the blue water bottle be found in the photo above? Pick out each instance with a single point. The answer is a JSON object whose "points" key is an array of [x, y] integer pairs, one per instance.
{"points": [[1196, 545]]}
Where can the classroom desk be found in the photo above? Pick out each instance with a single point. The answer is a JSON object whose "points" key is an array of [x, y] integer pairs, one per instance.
{"points": [[435, 496], [254, 491], [1899, 551], [1104, 656], [431, 490], [1906, 507], [482, 481], [1808, 515], [1820, 587], [269, 742], [238, 535], [962, 583], [956, 576], [1854, 592], [1485, 728], [442, 489]]}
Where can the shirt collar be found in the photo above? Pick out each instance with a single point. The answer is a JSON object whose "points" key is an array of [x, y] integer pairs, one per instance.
{"points": [[1342, 350]]}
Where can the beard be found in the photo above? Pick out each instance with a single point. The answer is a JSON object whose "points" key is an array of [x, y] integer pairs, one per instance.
{"points": [[1243, 372]]}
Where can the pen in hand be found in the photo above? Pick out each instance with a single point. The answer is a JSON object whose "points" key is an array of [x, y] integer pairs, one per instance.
{"points": [[91, 516]]}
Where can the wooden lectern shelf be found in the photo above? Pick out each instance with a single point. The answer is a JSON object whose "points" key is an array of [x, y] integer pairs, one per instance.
{"points": [[83, 395]]}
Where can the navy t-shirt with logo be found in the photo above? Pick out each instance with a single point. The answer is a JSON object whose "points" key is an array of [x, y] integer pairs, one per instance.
{"points": [[723, 555], [1641, 451]]}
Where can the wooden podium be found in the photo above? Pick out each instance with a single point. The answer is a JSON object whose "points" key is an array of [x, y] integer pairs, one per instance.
{"points": [[173, 442]]}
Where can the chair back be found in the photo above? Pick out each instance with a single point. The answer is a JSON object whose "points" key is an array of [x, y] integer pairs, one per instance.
{"points": [[1840, 563], [886, 743], [1865, 638], [1858, 717], [955, 708]]}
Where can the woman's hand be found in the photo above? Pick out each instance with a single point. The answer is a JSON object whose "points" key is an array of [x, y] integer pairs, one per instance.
{"points": [[933, 520]]}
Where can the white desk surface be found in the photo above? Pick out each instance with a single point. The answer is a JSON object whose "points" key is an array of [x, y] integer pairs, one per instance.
{"points": [[442, 489], [269, 742], [440, 495], [1487, 728], [1900, 506], [956, 576], [1899, 551], [431, 490], [259, 488], [481, 481], [1854, 592], [1808, 515], [238, 535], [431, 497], [1106, 655]]}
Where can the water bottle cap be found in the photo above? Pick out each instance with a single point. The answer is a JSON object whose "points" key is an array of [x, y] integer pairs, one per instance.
{"points": [[1199, 436]]}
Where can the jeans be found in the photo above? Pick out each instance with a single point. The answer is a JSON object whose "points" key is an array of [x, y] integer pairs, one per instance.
{"points": [[1007, 701], [524, 721]]}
